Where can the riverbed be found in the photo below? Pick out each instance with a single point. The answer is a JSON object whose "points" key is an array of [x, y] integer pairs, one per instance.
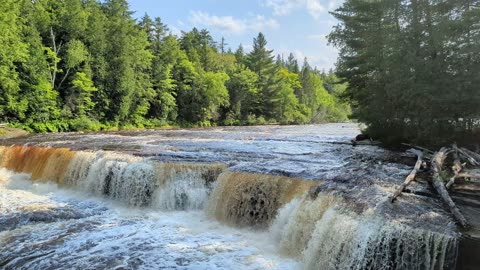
{"points": [[216, 198]]}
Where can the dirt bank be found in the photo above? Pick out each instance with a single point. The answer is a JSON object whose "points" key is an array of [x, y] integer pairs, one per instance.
{"points": [[8, 133]]}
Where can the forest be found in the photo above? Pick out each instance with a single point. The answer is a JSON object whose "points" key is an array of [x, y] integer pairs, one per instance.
{"points": [[412, 67], [88, 65]]}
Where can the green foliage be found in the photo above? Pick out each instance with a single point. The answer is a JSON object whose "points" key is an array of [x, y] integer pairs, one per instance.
{"points": [[84, 123], [80, 100], [12, 51], [76, 53], [80, 65], [412, 68]]}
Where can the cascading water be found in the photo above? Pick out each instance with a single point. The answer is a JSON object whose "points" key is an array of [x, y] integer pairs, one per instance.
{"points": [[321, 230], [246, 199], [326, 236], [184, 186], [122, 177]]}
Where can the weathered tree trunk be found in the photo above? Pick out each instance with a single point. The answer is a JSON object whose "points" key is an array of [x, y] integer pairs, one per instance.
{"points": [[456, 168], [472, 154], [439, 186], [468, 175], [411, 176], [468, 155], [419, 147]]}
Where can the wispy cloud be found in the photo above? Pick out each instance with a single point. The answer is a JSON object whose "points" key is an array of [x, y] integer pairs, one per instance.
{"points": [[333, 4], [314, 8], [284, 7], [229, 24], [317, 37]]}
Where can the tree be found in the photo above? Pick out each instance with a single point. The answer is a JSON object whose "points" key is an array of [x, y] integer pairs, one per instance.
{"points": [[243, 91], [240, 55], [214, 94], [260, 61], [128, 83], [89, 64], [167, 55], [12, 51], [408, 66], [292, 64], [79, 99], [289, 109]]}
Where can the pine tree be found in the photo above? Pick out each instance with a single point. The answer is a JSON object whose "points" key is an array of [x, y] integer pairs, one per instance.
{"points": [[12, 51], [260, 61], [128, 83]]}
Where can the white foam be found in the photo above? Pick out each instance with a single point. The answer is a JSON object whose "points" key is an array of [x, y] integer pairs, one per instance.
{"points": [[120, 236]]}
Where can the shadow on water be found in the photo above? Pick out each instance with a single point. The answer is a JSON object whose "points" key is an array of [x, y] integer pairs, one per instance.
{"points": [[468, 253]]}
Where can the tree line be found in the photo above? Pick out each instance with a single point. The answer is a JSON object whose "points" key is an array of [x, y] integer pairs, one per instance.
{"points": [[89, 65], [412, 67]]}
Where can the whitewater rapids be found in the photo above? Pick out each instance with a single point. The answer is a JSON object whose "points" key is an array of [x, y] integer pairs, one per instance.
{"points": [[47, 227], [66, 209]]}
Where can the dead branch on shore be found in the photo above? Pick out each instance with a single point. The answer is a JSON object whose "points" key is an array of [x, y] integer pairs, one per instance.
{"points": [[456, 167], [420, 148], [412, 175], [437, 160], [438, 184], [470, 156]]}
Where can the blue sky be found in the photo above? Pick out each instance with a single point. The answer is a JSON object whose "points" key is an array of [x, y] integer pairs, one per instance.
{"points": [[297, 26]]}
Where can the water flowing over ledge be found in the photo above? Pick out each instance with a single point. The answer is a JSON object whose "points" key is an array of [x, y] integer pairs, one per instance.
{"points": [[321, 229]]}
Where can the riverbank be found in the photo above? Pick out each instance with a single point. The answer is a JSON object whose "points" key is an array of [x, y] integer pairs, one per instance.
{"points": [[8, 132]]}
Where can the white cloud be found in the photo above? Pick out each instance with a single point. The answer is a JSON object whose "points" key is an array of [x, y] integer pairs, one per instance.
{"points": [[175, 30], [317, 37], [282, 7], [229, 24], [285, 7], [319, 55], [315, 9], [334, 4]]}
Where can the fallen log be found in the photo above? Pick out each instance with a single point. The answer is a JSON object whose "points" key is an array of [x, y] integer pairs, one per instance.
{"points": [[456, 168], [412, 174], [438, 184], [468, 156], [472, 154], [419, 147], [468, 175]]}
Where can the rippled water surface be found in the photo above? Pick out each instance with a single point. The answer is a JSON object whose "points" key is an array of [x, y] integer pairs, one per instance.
{"points": [[151, 200]]}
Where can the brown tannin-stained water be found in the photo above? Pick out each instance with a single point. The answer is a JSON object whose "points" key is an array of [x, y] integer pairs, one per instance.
{"points": [[271, 197]]}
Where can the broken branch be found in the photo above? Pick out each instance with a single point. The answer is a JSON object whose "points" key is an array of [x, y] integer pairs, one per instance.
{"points": [[469, 157], [456, 168], [412, 174], [439, 186]]}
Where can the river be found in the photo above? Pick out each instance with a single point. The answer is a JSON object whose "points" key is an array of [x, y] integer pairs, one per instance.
{"points": [[268, 197]]}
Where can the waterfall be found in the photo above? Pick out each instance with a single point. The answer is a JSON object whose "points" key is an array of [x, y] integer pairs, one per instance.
{"points": [[184, 186], [326, 235], [131, 180], [322, 232], [247, 199]]}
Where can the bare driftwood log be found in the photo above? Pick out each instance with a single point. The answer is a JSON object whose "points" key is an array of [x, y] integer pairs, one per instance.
{"points": [[468, 175], [411, 176], [456, 168], [420, 148], [439, 186], [465, 153], [472, 154]]}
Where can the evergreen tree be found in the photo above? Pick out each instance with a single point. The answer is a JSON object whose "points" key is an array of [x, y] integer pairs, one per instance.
{"points": [[408, 66], [260, 61], [88, 64], [128, 83], [12, 52]]}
